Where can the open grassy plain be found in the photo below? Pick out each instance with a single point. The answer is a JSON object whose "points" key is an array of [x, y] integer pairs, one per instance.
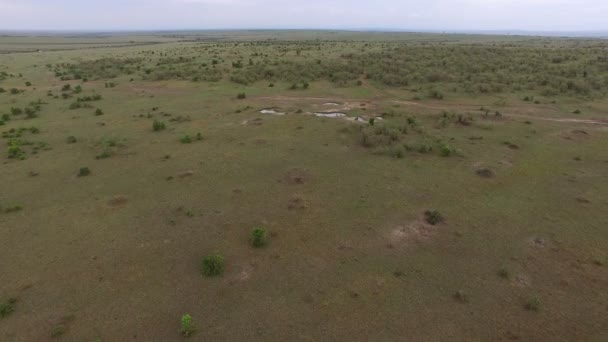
{"points": [[412, 187]]}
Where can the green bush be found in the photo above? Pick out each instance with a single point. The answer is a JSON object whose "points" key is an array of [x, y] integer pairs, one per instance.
{"points": [[258, 237], [158, 125], [433, 217], [98, 112], [187, 328], [186, 139], [241, 96], [8, 307], [446, 150], [84, 171], [14, 150], [213, 266]]}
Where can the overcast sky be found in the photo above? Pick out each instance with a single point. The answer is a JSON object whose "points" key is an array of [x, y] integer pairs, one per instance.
{"points": [[538, 15]]}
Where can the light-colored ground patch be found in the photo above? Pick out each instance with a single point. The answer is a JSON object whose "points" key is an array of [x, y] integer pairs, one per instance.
{"points": [[416, 231]]}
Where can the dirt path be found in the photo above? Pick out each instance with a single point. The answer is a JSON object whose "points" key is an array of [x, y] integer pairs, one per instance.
{"points": [[438, 107]]}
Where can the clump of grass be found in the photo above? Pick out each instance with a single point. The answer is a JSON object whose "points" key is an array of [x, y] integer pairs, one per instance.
{"points": [[533, 304], [213, 266], [72, 139], [241, 96], [8, 307], [84, 171], [433, 217], [98, 112], [258, 237], [187, 328], [578, 111], [158, 126]]}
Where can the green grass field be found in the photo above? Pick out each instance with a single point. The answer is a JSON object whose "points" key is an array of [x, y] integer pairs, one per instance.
{"points": [[105, 221]]}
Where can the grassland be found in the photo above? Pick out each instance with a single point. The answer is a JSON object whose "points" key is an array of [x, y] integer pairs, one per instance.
{"points": [[467, 202]]}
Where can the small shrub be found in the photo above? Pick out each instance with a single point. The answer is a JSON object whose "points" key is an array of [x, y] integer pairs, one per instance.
{"points": [[533, 304], [15, 152], [75, 105], [258, 237], [241, 96], [158, 125], [66, 87], [433, 217], [504, 273], [213, 266], [187, 329], [461, 297], [186, 139], [72, 139], [8, 307], [84, 171], [446, 150], [57, 331], [578, 111], [98, 112], [106, 153], [423, 148]]}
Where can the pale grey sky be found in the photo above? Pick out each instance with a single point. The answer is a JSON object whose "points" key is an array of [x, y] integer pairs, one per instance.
{"points": [[537, 15]]}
